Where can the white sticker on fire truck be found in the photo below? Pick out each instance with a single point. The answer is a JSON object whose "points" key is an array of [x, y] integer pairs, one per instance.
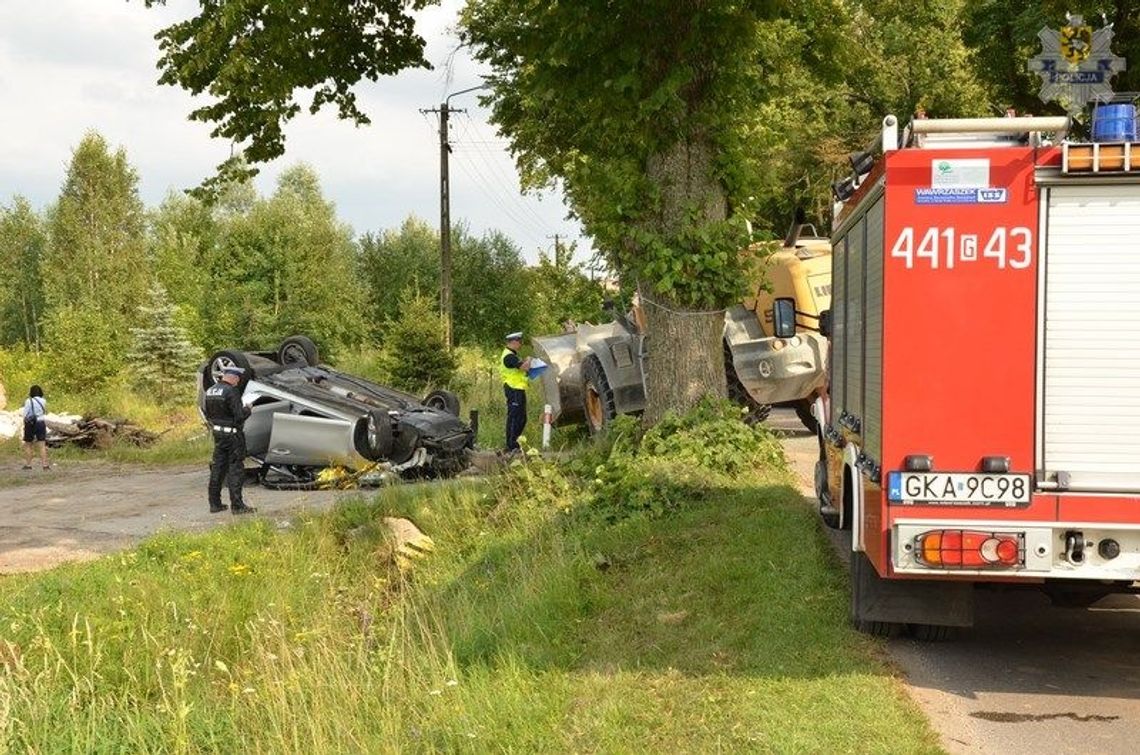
{"points": [[960, 196], [960, 174], [944, 248]]}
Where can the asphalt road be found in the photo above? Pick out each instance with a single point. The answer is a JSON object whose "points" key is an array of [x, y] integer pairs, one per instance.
{"points": [[79, 511], [1028, 678]]}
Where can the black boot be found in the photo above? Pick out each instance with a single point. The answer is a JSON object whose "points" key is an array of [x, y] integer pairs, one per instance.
{"points": [[241, 508], [220, 507]]}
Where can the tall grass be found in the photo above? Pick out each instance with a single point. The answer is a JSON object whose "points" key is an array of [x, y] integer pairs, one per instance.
{"points": [[533, 626]]}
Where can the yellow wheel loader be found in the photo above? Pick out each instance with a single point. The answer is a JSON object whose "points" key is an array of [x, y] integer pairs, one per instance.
{"points": [[596, 371]]}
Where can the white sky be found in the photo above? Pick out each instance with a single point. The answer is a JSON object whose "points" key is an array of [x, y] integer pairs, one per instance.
{"points": [[69, 66]]}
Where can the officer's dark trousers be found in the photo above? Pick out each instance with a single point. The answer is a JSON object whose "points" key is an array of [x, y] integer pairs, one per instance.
{"points": [[226, 465], [516, 415]]}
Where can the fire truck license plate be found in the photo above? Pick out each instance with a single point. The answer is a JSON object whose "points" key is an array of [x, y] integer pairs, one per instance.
{"points": [[958, 489]]}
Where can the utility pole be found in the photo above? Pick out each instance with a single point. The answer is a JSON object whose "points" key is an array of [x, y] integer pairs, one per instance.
{"points": [[445, 110]]}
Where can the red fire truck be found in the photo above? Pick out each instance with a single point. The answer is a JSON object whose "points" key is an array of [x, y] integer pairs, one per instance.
{"points": [[982, 422]]}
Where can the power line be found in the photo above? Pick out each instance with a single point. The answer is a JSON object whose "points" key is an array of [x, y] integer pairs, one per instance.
{"points": [[468, 125]]}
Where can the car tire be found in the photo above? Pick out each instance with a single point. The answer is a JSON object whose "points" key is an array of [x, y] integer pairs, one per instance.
{"points": [[298, 351], [738, 394], [227, 358], [443, 401], [597, 397], [373, 436]]}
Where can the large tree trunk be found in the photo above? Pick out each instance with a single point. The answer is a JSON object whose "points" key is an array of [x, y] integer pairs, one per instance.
{"points": [[685, 359]]}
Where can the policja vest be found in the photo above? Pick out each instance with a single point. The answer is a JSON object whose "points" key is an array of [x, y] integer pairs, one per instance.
{"points": [[512, 376]]}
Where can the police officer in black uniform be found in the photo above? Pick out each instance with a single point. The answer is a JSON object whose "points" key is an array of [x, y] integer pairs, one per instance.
{"points": [[226, 415]]}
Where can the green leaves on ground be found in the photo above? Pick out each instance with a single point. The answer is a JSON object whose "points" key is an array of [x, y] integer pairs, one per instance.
{"points": [[633, 472]]}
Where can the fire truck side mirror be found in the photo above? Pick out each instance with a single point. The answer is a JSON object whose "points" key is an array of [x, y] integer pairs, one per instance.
{"points": [[784, 317], [825, 323]]}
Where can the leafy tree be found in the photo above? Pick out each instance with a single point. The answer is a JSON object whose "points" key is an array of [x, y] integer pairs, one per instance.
{"points": [[184, 234], [253, 57], [490, 284], [95, 265], [22, 243], [394, 261], [163, 358], [284, 267], [490, 293], [415, 352], [562, 292], [76, 343], [635, 107], [1004, 35]]}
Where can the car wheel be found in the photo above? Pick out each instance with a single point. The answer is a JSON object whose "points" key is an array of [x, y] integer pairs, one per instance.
{"points": [[298, 351], [443, 401], [221, 360], [738, 394], [597, 396], [373, 436]]}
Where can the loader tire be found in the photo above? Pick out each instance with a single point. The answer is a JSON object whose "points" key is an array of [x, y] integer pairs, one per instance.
{"points": [[597, 396], [803, 411], [738, 394]]}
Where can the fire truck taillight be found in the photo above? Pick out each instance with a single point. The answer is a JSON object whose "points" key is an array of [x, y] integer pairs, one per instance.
{"points": [[968, 549]]}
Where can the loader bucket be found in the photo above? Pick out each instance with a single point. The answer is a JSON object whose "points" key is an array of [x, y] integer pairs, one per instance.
{"points": [[562, 381]]}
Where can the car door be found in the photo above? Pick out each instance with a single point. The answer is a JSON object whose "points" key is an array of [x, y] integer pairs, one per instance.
{"points": [[310, 441]]}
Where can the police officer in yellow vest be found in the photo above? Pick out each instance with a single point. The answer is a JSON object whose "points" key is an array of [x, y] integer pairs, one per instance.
{"points": [[513, 370]]}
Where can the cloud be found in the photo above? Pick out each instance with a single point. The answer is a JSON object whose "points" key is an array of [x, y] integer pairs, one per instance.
{"points": [[70, 66]]}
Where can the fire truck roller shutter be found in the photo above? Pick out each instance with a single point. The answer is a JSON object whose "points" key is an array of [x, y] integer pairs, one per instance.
{"points": [[873, 375], [856, 262], [1091, 403], [838, 360]]}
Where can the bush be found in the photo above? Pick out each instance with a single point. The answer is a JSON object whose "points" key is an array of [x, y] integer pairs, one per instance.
{"points": [[415, 352], [636, 472], [84, 351], [20, 369]]}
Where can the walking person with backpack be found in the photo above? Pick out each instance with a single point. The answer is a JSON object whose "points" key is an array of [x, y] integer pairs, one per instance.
{"points": [[35, 428]]}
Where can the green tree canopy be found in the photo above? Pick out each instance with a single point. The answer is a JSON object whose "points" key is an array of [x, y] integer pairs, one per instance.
{"points": [[1004, 35], [94, 269], [491, 295], [23, 240], [255, 57], [285, 267]]}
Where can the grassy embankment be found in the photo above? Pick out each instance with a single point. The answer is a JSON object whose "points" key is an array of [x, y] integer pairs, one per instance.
{"points": [[658, 606]]}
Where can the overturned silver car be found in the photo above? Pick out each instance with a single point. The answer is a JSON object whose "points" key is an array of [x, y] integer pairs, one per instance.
{"points": [[306, 416]]}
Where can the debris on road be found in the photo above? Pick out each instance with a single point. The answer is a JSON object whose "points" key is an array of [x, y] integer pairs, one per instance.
{"points": [[97, 432]]}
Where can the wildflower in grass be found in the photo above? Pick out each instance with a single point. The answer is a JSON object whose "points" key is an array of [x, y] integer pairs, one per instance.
{"points": [[239, 570]]}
